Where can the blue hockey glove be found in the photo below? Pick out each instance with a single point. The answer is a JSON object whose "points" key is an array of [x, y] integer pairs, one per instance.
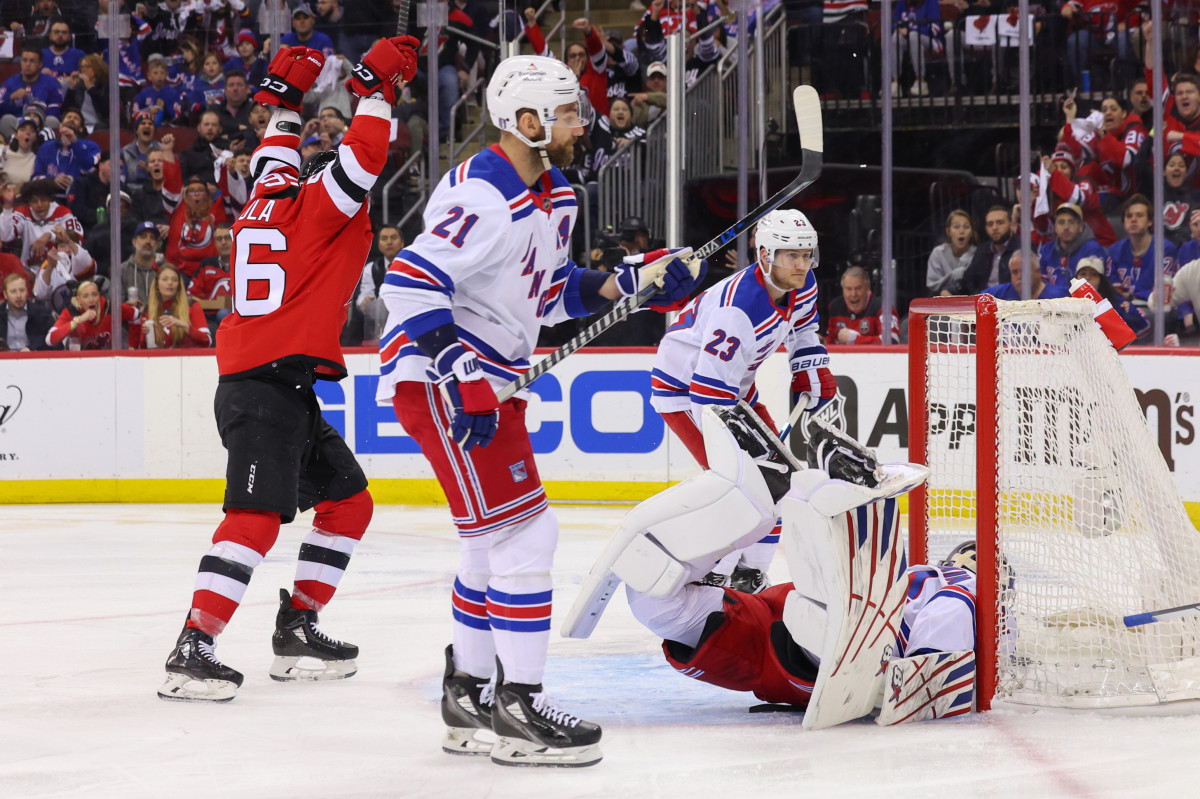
{"points": [[475, 410]]}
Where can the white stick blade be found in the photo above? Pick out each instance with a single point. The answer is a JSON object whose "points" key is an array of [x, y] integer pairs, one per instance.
{"points": [[808, 118]]}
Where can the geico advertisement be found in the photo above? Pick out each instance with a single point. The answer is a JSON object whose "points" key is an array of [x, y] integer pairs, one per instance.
{"points": [[589, 418]]}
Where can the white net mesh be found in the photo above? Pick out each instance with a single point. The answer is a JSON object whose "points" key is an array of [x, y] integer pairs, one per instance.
{"points": [[1088, 520]]}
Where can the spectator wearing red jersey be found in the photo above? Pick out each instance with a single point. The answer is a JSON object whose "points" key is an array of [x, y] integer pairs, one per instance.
{"points": [[190, 237], [172, 321], [856, 317], [35, 219], [85, 323], [589, 61], [1111, 139], [1062, 187], [1181, 109]]}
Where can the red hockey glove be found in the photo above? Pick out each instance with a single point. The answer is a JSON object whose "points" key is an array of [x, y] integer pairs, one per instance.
{"points": [[291, 73], [378, 70], [475, 410], [811, 376]]}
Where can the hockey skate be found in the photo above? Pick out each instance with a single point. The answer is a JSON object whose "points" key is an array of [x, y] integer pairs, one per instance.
{"points": [[532, 730], [194, 674], [297, 639], [467, 710]]}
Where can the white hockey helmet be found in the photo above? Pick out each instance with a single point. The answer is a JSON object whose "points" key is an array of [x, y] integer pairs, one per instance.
{"points": [[785, 230], [540, 84]]}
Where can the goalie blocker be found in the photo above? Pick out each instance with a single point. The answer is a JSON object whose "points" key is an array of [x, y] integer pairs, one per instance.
{"points": [[842, 618]]}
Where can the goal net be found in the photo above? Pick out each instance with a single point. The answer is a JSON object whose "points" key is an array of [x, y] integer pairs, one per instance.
{"points": [[1038, 448]]}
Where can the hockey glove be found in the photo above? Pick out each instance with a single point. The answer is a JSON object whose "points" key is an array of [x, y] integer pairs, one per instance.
{"points": [[840, 456], [675, 273], [387, 60], [811, 376], [475, 410], [291, 73]]}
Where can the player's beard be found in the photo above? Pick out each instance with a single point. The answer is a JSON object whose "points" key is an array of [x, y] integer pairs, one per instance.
{"points": [[561, 155]]}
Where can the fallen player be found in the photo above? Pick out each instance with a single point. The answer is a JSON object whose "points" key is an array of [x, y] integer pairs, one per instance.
{"points": [[853, 615]]}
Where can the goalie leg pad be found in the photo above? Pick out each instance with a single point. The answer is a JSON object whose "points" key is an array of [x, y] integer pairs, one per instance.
{"points": [[678, 534], [937, 685], [854, 565]]}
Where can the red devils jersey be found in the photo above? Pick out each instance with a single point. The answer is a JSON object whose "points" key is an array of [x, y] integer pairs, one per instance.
{"points": [[749, 651], [299, 249]]}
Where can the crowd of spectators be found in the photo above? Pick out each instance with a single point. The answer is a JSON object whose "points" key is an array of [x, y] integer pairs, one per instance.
{"points": [[187, 71]]}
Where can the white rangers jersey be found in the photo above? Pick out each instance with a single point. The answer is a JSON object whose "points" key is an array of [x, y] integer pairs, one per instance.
{"points": [[711, 354], [939, 614], [494, 255]]}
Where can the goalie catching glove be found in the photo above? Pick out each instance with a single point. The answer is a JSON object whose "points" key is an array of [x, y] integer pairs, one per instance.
{"points": [[379, 68], [291, 73], [475, 410], [675, 273], [840, 456]]}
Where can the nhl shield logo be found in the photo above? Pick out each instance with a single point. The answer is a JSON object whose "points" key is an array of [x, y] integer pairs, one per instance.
{"points": [[519, 472]]}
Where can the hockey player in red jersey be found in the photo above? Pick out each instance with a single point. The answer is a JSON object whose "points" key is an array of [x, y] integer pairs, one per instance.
{"points": [[298, 251]]}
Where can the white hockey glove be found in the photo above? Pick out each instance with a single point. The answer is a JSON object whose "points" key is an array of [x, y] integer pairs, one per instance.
{"points": [[675, 273]]}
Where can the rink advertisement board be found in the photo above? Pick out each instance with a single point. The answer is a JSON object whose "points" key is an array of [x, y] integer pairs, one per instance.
{"points": [[109, 425]]}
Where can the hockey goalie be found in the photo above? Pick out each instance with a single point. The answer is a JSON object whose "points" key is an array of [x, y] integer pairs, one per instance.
{"points": [[854, 616]]}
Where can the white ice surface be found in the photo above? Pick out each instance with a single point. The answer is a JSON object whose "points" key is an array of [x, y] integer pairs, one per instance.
{"points": [[92, 598]]}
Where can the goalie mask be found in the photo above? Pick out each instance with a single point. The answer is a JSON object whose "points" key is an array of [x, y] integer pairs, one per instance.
{"points": [[961, 557]]}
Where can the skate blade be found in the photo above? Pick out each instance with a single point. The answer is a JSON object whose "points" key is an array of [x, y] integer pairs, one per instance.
{"points": [[182, 688], [519, 752], [293, 669], [468, 741]]}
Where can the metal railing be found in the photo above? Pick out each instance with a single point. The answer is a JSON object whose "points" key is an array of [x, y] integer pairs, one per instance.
{"points": [[585, 216], [772, 36], [417, 159], [633, 181], [474, 92]]}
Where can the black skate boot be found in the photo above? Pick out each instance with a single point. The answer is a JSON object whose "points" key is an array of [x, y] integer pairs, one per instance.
{"points": [[531, 730], [748, 580], [297, 637], [467, 710], [716, 579], [194, 674]]}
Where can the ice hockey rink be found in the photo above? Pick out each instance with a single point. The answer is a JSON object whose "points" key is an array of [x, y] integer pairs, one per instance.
{"points": [[93, 597]]}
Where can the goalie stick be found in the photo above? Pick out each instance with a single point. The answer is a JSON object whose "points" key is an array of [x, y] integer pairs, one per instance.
{"points": [[808, 122], [1166, 614]]}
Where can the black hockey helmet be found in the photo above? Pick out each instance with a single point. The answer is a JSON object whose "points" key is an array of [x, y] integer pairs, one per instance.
{"points": [[316, 162]]}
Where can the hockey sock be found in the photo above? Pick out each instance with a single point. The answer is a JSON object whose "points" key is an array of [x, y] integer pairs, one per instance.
{"points": [[518, 595], [474, 649], [758, 555], [239, 545], [518, 610], [325, 552]]}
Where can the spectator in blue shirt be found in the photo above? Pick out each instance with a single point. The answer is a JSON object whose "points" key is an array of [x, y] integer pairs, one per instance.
{"points": [[158, 96], [249, 60], [303, 33], [1012, 290], [60, 59], [1060, 256], [31, 83], [67, 158]]}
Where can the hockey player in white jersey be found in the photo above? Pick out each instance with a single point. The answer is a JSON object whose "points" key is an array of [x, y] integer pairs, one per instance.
{"points": [[711, 354], [466, 301]]}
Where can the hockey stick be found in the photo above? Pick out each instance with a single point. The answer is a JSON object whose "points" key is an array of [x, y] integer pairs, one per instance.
{"points": [[801, 403], [1166, 614], [808, 122], [402, 17]]}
